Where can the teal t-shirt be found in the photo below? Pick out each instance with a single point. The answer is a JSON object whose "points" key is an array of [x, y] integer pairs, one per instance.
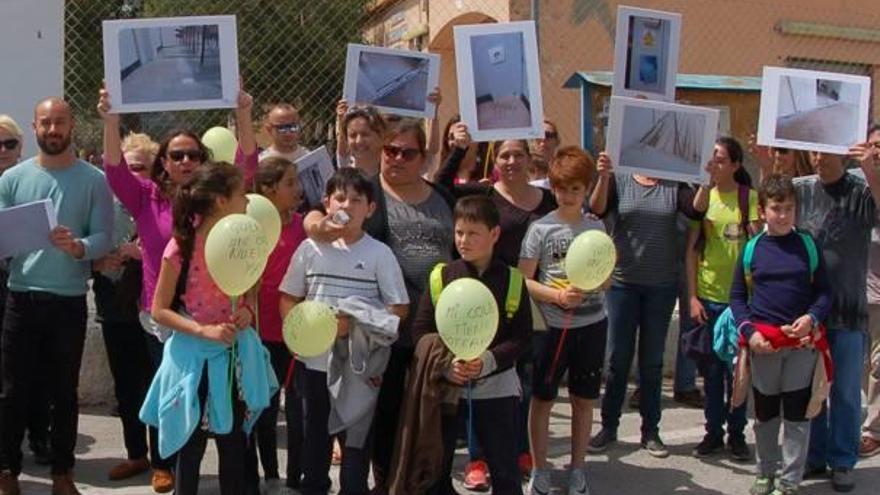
{"points": [[84, 205]]}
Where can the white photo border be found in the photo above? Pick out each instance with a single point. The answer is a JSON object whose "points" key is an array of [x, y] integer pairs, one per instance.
{"points": [[467, 99], [618, 86], [770, 108], [349, 88], [615, 135], [228, 46]]}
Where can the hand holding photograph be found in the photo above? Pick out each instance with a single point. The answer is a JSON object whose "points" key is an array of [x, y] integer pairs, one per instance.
{"points": [[179, 63], [662, 140], [810, 110]]}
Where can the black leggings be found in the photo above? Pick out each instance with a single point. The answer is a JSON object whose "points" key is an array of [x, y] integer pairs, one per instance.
{"points": [[794, 405]]}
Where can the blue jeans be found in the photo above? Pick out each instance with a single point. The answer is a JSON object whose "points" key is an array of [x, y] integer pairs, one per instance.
{"points": [[633, 309], [718, 387], [685, 367], [834, 434]]}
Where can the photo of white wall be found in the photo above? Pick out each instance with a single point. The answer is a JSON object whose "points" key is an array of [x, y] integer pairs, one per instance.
{"points": [[395, 81], [646, 53], [810, 110], [662, 140], [499, 80], [171, 64]]}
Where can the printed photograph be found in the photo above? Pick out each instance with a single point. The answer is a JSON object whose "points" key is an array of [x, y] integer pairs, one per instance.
{"points": [[392, 81], [818, 110], [646, 49]]}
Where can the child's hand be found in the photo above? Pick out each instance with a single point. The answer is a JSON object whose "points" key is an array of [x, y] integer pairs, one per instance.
{"points": [[327, 230], [222, 332], [457, 373], [473, 368], [242, 318], [569, 297], [341, 108], [698, 312], [343, 325], [759, 345], [800, 328]]}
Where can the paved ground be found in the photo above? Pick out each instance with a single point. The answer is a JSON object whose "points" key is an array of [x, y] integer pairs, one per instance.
{"points": [[624, 470]]}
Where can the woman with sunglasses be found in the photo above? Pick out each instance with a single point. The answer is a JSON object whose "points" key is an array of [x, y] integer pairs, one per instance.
{"points": [[149, 203], [10, 142], [775, 160]]}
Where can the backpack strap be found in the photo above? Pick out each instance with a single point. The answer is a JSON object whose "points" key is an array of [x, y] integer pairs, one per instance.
{"points": [[812, 252], [435, 282], [748, 254], [514, 292]]}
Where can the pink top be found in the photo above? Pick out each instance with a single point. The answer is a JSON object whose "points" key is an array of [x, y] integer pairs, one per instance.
{"points": [[204, 301], [152, 214], [292, 235]]}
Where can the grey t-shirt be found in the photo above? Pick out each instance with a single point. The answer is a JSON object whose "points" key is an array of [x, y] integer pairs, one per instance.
{"points": [[547, 241], [420, 236], [840, 216], [874, 267]]}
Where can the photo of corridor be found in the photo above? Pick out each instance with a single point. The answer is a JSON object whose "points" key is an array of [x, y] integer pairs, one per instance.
{"points": [[396, 81], [501, 81], [816, 110]]}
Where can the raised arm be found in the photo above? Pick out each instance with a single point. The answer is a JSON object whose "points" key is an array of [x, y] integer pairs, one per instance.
{"points": [[868, 159], [341, 138], [599, 198], [432, 154], [247, 138], [112, 140], [131, 191]]}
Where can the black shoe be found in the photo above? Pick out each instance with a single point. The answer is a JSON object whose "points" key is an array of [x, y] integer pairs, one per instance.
{"points": [[691, 398], [842, 479], [738, 448], [601, 441], [42, 452], [655, 446], [815, 472], [708, 446], [635, 399]]}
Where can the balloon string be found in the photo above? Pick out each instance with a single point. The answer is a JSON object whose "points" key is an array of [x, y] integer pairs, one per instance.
{"points": [[232, 357], [470, 428], [568, 317]]}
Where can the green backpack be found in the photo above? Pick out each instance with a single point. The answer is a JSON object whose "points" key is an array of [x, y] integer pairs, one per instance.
{"points": [[511, 301]]}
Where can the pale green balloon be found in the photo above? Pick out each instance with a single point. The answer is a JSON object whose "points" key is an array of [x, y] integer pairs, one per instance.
{"points": [[263, 211], [467, 317], [236, 253], [590, 260], [310, 328], [222, 143]]}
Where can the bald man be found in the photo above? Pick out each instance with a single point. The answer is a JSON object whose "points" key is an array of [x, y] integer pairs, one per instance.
{"points": [[44, 326]]}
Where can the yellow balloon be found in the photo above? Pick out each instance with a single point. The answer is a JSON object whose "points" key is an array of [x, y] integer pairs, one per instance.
{"points": [[222, 143], [467, 317], [236, 254], [263, 211], [590, 260], [310, 328]]}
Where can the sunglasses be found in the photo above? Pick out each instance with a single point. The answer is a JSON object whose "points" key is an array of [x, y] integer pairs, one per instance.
{"points": [[193, 155], [9, 144], [406, 154], [287, 128], [551, 135]]}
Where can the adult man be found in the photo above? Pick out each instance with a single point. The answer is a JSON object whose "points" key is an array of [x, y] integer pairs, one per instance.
{"points": [[839, 210], [870, 443], [284, 127], [45, 322]]}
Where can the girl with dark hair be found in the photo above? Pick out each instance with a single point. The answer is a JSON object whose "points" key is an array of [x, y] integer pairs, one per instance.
{"points": [[150, 203], [276, 179], [467, 156], [197, 358], [712, 250]]}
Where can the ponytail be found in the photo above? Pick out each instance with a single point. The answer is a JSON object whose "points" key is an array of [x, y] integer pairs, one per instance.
{"points": [[195, 200]]}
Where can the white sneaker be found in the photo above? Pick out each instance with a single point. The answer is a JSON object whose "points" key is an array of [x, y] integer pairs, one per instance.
{"points": [[277, 487], [577, 483], [540, 482]]}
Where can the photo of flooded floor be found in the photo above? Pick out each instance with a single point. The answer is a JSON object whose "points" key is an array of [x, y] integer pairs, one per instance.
{"points": [[662, 140], [500, 81], [174, 63], [817, 110], [392, 81]]}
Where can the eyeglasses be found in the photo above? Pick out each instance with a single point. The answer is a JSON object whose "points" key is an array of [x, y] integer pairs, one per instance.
{"points": [[551, 135], [193, 155], [287, 128], [9, 144], [406, 154]]}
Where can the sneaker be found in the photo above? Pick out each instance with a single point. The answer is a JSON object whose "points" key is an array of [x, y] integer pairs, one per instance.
{"points": [[868, 447], [42, 452], [763, 485], [9, 484], [783, 489], [635, 399], [815, 472], [128, 469], [540, 482], [577, 483], [601, 441], [690, 398], [275, 486], [162, 481], [655, 446], [842, 479], [738, 448], [708, 446], [476, 476], [62, 484], [524, 461]]}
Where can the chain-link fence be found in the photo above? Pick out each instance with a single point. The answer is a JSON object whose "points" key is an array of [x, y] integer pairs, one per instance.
{"points": [[294, 51]]}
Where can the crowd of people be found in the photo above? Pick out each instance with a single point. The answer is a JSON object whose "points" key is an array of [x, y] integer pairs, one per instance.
{"points": [[782, 258]]}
